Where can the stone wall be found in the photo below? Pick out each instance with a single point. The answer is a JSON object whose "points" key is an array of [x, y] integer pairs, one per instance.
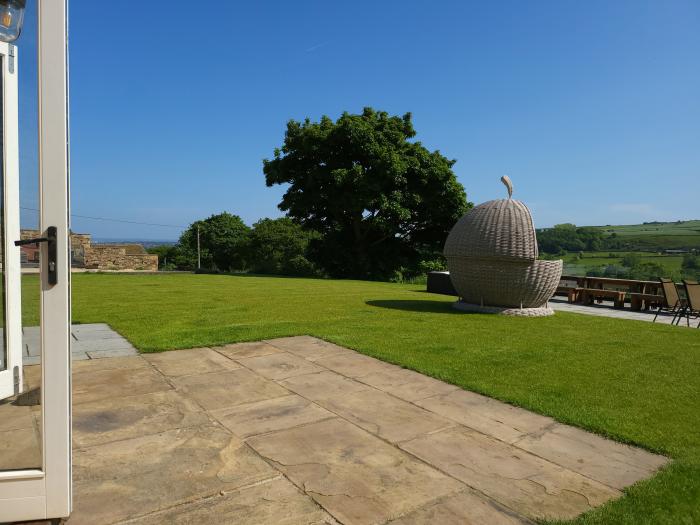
{"points": [[85, 254], [108, 257]]}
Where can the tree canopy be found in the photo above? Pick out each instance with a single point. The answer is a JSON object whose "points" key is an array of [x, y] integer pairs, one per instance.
{"points": [[280, 246], [223, 239], [379, 200]]}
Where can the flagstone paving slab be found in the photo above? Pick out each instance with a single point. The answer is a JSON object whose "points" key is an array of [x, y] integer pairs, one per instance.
{"points": [[270, 414], [20, 449], [465, 508], [225, 389], [354, 365], [133, 477], [492, 417], [243, 350], [189, 362], [386, 416], [299, 429], [407, 384], [309, 347], [354, 476], [525, 483], [612, 463], [91, 385], [279, 366], [127, 417], [126, 362], [275, 502], [323, 385]]}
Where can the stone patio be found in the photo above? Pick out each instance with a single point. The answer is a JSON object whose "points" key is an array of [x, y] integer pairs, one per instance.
{"points": [[90, 341], [606, 309], [301, 431]]}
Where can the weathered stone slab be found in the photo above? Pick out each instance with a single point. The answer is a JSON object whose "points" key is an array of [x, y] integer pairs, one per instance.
{"points": [[354, 365], [112, 363], [308, 347], [100, 345], [280, 366], [95, 335], [492, 417], [407, 384], [274, 502], [243, 350], [14, 417], [115, 418], [604, 460], [20, 449], [465, 508], [130, 478], [124, 352], [358, 478], [91, 385], [225, 389], [270, 415], [188, 362], [323, 385], [515, 478], [91, 327], [386, 416], [32, 377]]}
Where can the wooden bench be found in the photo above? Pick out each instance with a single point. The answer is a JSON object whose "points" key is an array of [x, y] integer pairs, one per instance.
{"points": [[570, 292], [641, 301], [588, 295]]}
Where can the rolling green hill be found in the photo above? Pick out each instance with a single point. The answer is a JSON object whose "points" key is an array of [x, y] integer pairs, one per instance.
{"points": [[656, 235]]}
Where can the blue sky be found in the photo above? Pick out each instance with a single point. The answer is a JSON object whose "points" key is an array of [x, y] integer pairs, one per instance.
{"points": [[592, 108]]}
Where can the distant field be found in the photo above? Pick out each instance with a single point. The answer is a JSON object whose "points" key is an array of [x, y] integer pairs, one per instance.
{"points": [[573, 265], [668, 235]]}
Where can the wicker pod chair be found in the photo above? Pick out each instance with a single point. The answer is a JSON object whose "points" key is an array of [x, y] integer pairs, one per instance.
{"points": [[492, 257]]}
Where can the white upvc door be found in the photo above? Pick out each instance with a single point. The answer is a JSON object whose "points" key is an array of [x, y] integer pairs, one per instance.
{"points": [[43, 492], [11, 335]]}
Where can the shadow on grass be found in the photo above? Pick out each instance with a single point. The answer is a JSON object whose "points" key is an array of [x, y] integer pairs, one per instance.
{"points": [[439, 307]]}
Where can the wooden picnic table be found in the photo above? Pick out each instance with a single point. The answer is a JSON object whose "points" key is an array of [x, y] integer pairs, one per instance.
{"points": [[642, 293]]}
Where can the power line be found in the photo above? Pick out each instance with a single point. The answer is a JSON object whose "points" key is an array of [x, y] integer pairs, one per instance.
{"points": [[123, 221]]}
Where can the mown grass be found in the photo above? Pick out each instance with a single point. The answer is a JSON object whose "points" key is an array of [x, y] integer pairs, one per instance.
{"points": [[633, 381]]}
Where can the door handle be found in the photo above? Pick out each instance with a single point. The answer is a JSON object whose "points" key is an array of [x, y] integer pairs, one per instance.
{"points": [[50, 240]]}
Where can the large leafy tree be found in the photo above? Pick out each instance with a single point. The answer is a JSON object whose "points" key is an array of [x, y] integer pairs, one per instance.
{"points": [[280, 246], [223, 240], [379, 200]]}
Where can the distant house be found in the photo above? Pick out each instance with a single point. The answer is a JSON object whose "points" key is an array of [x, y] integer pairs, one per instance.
{"points": [[676, 252]]}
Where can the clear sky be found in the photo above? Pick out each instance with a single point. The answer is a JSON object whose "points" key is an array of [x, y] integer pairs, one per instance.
{"points": [[592, 108]]}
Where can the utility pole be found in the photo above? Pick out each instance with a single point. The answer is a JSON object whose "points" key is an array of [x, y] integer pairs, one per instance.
{"points": [[199, 254]]}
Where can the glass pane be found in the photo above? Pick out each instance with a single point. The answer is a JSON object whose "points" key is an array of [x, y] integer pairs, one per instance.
{"points": [[20, 415]]}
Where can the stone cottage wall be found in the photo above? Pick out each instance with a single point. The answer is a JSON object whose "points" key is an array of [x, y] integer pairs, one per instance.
{"points": [[106, 257], [84, 254]]}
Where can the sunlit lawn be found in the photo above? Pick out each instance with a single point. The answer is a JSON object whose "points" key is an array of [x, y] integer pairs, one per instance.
{"points": [[634, 381]]}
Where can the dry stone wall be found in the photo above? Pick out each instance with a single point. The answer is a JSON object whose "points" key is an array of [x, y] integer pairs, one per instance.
{"points": [[85, 254]]}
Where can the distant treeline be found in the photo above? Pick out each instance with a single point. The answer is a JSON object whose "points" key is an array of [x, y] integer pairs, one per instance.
{"points": [[564, 238]]}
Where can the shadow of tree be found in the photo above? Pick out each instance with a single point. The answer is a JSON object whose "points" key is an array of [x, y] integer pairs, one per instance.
{"points": [[440, 307]]}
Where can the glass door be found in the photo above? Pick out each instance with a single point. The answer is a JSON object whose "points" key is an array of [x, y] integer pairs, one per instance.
{"points": [[35, 447]]}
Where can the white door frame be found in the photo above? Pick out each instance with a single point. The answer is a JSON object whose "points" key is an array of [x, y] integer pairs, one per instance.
{"points": [[11, 378], [46, 493]]}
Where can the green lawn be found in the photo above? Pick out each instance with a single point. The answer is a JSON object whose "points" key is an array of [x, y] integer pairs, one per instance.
{"points": [[634, 381]]}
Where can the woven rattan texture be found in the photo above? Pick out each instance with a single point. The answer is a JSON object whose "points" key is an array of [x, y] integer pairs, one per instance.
{"points": [[499, 229], [488, 282]]}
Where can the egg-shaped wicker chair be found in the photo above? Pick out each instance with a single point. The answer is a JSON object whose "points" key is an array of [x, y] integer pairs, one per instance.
{"points": [[492, 258]]}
